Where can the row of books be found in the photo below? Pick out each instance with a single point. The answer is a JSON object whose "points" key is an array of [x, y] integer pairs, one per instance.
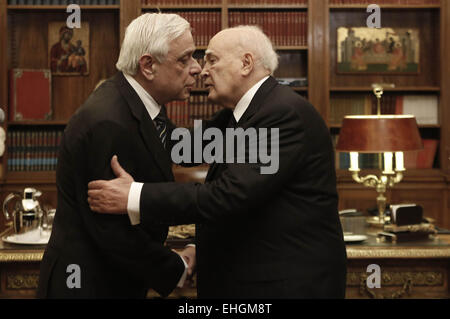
{"points": [[266, 2], [179, 2], [365, 161], [204, 24], [232, 2], [424, 107], [62, 2], [183, 113], [284, 28], [381, 2], [216, 2], [33, 150], [342, 105], [422, 159]]}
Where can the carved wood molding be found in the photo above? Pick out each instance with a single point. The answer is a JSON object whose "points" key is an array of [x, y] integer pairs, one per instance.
{"points": [[398, 278], [6, 257], [22, 281], [355, 253]]}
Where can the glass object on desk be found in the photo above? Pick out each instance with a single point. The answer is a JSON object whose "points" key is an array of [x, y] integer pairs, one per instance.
{"points": [[353, 222]]}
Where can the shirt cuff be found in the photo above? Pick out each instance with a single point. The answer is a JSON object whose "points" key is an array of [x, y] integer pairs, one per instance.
{"points": [[184, 275], [133, 205]]}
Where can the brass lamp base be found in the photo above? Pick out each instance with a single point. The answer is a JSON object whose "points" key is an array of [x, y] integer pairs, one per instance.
{"points": [[380, 184], [375, 221]]}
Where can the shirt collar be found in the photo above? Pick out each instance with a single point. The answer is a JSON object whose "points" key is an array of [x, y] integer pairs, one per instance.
{"points": [[245, 100], [150, 104]]}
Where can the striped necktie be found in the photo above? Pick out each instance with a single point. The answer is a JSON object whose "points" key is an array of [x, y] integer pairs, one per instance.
{"points": [[161, 126]]}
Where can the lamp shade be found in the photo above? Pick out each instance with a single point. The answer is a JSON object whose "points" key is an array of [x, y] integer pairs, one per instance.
{"points": [[379, 134]]}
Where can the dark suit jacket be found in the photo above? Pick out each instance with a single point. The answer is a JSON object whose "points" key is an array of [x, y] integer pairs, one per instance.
{"points": [[115, 258], [264, 236]]}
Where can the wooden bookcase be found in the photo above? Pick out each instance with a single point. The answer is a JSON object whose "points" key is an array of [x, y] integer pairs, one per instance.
{"points": [[24, 35], [229, 12], [23, 32], [427, 187]]}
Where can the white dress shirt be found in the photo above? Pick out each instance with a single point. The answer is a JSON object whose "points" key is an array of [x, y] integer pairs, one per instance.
{"points": [[153, 110]]}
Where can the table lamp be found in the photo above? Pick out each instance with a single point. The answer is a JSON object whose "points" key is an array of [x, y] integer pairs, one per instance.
{"points": [[387, 135]]}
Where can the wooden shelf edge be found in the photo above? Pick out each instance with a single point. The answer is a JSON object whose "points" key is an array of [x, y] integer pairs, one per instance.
{"points": [[30, 177], [37, 123], [396, 89], [267, 6], [291, 48], [183, 7], [384, 6], [61, 7], [437, 126]]}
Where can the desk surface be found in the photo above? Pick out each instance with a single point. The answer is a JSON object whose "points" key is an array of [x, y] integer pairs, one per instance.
{"points": [[436, 247]]}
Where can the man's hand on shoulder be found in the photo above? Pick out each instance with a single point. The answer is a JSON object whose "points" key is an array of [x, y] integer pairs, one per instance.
{"points": [[111, 197]]}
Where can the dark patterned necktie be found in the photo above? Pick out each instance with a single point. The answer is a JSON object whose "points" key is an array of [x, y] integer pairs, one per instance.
{"points": [[161, 126]]}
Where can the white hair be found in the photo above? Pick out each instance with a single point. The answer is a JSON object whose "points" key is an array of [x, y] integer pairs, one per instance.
{"points": [[254, 39], [151, 34]]}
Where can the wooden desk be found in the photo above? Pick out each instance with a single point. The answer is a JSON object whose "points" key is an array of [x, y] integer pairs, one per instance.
{"points": [[19, 269], [410, 270]]}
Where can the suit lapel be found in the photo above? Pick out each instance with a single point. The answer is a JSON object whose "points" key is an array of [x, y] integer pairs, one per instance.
{"points": [[146, 126], [215, 166], [257, 100], [253, 107], [212, 169]]}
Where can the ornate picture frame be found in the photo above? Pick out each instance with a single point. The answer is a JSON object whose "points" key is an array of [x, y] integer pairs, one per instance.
{"points": [[362, 50], [68, 49]]}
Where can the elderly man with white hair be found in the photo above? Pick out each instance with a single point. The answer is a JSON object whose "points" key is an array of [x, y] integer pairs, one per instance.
{"points": [[97, 256], [258, 235]]}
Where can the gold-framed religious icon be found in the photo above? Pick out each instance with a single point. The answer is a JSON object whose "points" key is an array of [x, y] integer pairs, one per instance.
{"points": [[68, 50], [362, 50]]}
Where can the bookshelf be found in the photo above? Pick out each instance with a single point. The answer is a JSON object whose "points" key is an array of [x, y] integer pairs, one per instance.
{"points": [[30, 156], [208, 17], [61, 7], [309, 52], [427, 186]]}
